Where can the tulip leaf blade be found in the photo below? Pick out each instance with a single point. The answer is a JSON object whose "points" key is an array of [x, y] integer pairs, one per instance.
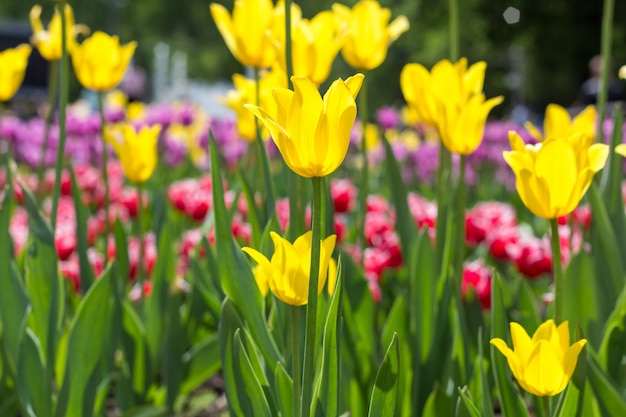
{"points": [[283, 389], [607, 395], [34, 389], [385, 390], [86, 272], [512, 404], [469, 404], [250, 379]]}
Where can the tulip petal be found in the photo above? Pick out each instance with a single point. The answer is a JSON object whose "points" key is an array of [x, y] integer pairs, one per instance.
{"points": [[598, 154], [621, 149], [512, 358], [556, 165], [522, 344], [557, 122], [571, 357]]}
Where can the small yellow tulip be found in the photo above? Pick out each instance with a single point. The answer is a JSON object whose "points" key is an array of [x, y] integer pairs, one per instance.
{"points": [[13, 62], [369, 33], [553, 176], [137, 151], [287, 272], [48, 42], [622, 72], [245, 32], [558, 123], [542, 365], [245, 93], [621, 149], [100, 61], [311, 133], [450, 98]]}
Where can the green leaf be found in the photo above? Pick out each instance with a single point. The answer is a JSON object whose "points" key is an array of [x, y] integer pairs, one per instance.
{"points": [[202, 361], [406, 227], [250, 379], [254, 217], [467, 401], [86, 272], [571, 403], [173, 349], [283, 390], [204, 285], [385, 391], [89, 327], [33, 387], [609, 398], [13, 299], [121, 241], [613, 344], [438, 404], [326, 396], [512, 404], [480, 384], [135, 347], [235, 274], [146, 411]]}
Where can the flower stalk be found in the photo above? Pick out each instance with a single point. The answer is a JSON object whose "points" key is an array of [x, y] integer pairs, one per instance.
{"points": [[311, 311], [607, 35], [269, 191], [558, 271], [364, 170], [296, 360], [63, 99], [52, 95], [105, 163]]}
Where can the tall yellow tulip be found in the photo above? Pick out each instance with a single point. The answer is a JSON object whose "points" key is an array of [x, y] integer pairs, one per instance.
{"points": [[311, 133], [48, 42], [315, 44], [559, 123], [450, 98], [245, 32], [287, 272], [553, 176], [369, 33], [100, 61], [13, 62], [137, 151], [542, 365]]}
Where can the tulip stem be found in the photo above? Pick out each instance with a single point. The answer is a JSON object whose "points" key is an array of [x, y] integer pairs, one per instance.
{"points": [[269, 192], [296, 360], [288, 52], [364, 169], [558, 271], [311, 311], [607, 34], [140, 269], [52, 94], [443, 178], [546, 406], [63, 98], [453, 9], [105, 173]]}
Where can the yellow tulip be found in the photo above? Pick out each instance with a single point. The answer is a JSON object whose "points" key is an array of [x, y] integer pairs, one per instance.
{"points": [[621, 149], [553, 176], [450, 98], [245, 32], [315, 44], [542, 365], [622, 72], [137, 151], [369, 32], [48, 42], [312, 133], [245, 92], [558, 123], [100, 61], [13, 62], [287, 272]]}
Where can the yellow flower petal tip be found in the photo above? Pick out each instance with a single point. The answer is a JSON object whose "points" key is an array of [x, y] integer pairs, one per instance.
{"points": [[49, 42], [287, 272], [621, 149], [543, 365], [13, 63]]}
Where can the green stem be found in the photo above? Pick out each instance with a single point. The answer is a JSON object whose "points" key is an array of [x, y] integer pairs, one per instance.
{"points": [[558, 271], [546, 406], [460, 224], [269, 191], [105, 172], [63, 98], [52, 94], [443, 179], [140, 270], [453, 9], [311, 311], [607, 34], [363, 192], [288, 51], [296, 360]]}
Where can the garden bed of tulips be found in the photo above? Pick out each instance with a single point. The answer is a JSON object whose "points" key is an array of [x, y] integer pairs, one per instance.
{"points": [[308, 256]]}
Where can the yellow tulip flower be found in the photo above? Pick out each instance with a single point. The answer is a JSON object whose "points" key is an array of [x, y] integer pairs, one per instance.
{"points": [[450, 98], [245, 32], [621, 149], [311, 133], [13, 62], [315, 44], [100, 61], [369, 33], [48, 42], [542, 365], [245, 92], [137, 151], [553, 176], [622, 72], [558, 123], [287, 272]]}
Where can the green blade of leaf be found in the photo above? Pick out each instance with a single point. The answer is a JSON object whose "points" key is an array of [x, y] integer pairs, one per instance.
{"points": [[385, 391], [33, 387]]}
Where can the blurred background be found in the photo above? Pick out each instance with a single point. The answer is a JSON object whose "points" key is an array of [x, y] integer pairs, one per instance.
{"points": [[538, 51]]}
